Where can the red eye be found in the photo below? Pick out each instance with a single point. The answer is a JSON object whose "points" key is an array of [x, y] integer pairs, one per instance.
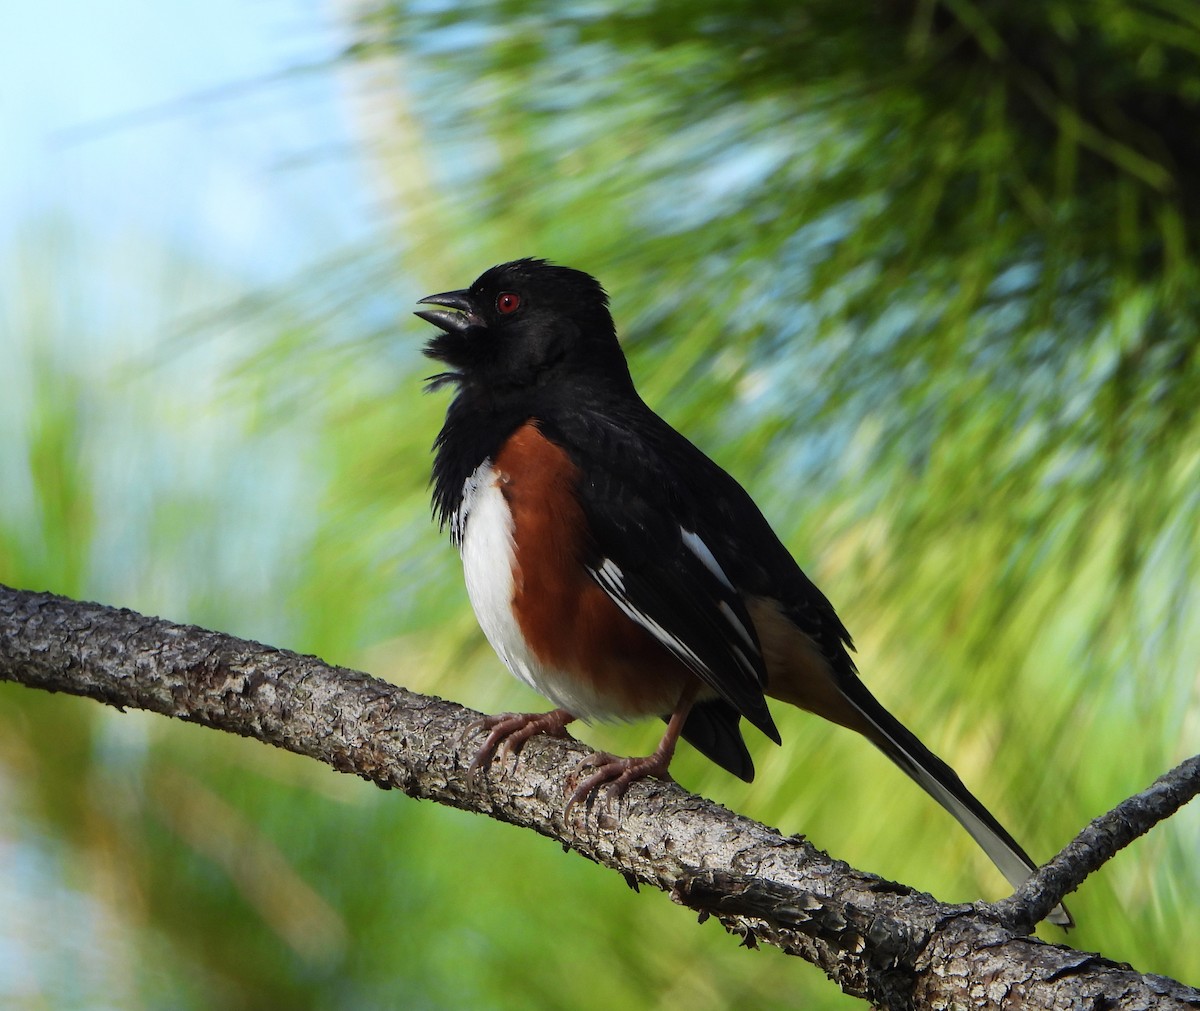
{"points": [[507, 301]]}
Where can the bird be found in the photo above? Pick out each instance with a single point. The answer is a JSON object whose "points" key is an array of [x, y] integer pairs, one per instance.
{"points": [[620, 572]]}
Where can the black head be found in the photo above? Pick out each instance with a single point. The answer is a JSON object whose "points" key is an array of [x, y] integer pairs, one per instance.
{"points": [[523, 324]]}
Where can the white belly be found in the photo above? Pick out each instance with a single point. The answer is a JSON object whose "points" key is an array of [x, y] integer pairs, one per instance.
{"points": [[485, 527]]}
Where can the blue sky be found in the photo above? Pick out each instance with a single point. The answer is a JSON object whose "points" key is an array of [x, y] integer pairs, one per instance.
{"points": [[179, 122]]}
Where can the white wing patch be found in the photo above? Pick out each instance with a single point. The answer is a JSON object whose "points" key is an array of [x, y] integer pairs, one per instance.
{"points": [[698, 548], [612, 581], [611, 576], [741, 629]]}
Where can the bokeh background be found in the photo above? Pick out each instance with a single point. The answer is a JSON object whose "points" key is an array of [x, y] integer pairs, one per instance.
{"points": [[923, 275]]}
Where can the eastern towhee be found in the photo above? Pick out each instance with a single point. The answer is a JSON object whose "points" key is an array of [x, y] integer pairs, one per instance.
{"points": [[615, 568]]}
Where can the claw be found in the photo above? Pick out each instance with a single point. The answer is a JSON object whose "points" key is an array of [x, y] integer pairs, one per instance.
{"points": [[508, 733], [617, 774]]}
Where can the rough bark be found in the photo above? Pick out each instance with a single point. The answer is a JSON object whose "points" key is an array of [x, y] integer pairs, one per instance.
{"points": [[1098, 843], [882, 941]]}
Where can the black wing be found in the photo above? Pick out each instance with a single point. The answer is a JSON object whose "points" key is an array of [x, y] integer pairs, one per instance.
{"points": [[657, 567]]}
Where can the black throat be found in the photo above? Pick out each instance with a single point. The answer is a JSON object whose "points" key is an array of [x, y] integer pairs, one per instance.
{"points": [[475, 429], [482, 416]]}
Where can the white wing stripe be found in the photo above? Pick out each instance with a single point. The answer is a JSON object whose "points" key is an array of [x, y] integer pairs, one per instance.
{"points": [[612, 575], [612, 580], [742, 658], [741, 629], [700, 550]]}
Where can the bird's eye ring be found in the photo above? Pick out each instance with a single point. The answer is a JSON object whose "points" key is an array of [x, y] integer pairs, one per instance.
{"points": [[507, 302]]}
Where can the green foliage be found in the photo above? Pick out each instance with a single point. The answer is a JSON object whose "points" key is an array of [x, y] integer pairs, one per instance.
{"points": [[925, 280]]}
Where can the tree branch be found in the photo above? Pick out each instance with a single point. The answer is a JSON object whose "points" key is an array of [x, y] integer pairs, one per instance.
{"points": [[1098, 843], [878, 940]]}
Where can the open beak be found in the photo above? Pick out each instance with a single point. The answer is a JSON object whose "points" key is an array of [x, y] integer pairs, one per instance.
{"points": [[458, 315]]}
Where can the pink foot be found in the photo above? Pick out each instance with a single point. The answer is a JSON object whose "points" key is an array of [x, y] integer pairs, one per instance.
{"points": [[617, 772], [510, 731]]}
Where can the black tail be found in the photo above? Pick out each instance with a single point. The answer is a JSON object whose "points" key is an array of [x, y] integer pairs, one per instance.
{"points": [[941, 782], [712, 729]]}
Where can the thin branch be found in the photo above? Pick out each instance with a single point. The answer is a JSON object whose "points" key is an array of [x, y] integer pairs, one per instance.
{"points": [[1098, 843], [882, 941]]}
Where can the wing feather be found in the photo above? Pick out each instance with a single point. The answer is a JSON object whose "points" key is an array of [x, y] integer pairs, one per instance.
{"points": [[653, 556]]}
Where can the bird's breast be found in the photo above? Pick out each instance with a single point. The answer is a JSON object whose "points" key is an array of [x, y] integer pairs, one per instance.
{"points": [[523, 537]]}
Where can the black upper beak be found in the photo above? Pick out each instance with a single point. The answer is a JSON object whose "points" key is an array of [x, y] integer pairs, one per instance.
{"points": [[458, 315]]}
